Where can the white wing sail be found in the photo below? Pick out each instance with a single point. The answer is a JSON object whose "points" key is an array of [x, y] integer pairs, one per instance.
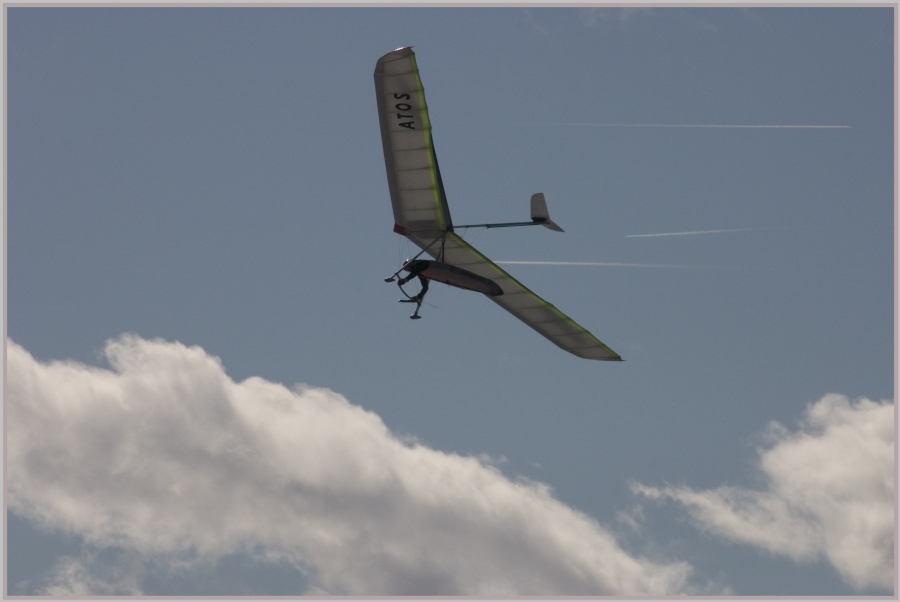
{"points": [[417, 193]]}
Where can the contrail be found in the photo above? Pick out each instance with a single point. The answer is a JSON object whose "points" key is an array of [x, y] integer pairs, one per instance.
{"points": [[697, 125], [663, 266], [696, 232], [617, 265]]}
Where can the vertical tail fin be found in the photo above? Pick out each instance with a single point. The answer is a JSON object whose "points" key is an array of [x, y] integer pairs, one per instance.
{"points": [[540, 214]]}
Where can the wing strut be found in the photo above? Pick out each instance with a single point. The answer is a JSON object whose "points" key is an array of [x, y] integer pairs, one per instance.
{"points": [[419, 254]]}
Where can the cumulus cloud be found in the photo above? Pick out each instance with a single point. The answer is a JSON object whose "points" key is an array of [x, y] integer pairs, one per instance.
{"points": [[165, 456], [829, 494]]}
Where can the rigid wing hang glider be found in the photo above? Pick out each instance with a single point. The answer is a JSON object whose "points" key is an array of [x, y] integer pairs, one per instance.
{"points": [[421, 214]]}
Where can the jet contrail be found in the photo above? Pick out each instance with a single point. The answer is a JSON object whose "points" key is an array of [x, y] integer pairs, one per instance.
{"points": [[696, 232], [618, 265], [697, 125], [662, 265]]}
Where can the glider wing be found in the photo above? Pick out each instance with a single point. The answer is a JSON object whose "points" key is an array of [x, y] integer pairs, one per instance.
{"points": [[414, 179], [518, 300], [420, 205]]}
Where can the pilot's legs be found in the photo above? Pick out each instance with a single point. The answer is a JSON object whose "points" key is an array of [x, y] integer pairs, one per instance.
{"points": [[418, 298], [421, 296]]}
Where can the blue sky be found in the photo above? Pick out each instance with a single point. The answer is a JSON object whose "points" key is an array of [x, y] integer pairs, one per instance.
{"points": [[196, 183]]}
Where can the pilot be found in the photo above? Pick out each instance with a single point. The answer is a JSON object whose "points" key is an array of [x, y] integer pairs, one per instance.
{"points": [[415, 268]]}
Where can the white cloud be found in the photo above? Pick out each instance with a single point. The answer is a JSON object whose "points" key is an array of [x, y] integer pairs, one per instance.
{"points": [[164, 456], [830, 492]]}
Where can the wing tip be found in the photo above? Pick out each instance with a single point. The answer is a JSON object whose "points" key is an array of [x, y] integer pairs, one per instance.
{"points": [[397, 53], [604, 359]]}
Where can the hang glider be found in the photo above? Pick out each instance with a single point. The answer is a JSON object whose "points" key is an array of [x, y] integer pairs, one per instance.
{"points": [[421, 214]]}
